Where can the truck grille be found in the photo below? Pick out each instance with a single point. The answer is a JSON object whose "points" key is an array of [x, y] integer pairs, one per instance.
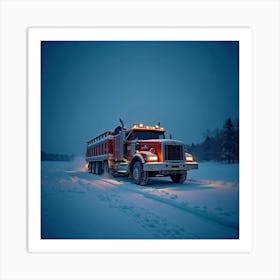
{"points": [[174, 152]]}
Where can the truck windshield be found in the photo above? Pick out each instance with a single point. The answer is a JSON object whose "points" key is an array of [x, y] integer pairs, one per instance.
{"points": [[146, 135]]}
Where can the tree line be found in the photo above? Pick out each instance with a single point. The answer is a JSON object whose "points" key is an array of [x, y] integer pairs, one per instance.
{"points": [[218, 145], [55, 157]]}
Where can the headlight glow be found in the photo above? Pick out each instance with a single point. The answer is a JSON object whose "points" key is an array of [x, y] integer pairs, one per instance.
{"points": [[152, 158], [189, 158]]}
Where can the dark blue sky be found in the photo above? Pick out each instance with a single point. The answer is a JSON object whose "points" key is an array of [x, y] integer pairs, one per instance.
{"points": [[87, 86]]}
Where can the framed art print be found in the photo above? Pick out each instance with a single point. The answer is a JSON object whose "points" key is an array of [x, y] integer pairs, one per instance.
{"points": [[138, 139]]}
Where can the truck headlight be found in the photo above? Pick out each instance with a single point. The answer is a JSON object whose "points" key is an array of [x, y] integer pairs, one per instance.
{"points": [[189, 158], [152, 158]]}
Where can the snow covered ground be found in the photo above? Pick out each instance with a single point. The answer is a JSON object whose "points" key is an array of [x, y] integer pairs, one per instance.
{"points": [[79, 205]]}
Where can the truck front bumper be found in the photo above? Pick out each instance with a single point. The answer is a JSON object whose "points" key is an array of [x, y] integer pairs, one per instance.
{"points": [[169, 166]]}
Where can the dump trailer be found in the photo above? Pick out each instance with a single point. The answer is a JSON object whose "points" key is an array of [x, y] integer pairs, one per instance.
{"points": [[142, 151]]}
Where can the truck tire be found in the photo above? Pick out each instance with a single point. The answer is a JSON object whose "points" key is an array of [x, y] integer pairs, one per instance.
{"points": [[140, 177], [98, 168], [93, 167], [89, 167], [106, 170], [179, 178]]}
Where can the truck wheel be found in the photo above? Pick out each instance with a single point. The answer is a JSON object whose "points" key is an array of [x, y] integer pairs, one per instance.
{"points": [[90, 169], [140, 177], [106, 168], [98, 166], [179, 178]]}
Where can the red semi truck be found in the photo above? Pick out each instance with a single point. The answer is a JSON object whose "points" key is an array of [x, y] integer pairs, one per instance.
{"points": [[141, 151]]}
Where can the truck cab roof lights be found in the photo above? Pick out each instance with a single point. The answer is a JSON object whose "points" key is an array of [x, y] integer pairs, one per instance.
{"points": [[148, 127]]}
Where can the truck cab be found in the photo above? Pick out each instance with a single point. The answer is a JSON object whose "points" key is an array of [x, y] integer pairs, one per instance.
{"points": [[147, 153]]}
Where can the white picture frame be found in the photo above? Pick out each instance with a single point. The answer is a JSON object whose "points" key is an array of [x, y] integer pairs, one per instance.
{"points": [[261, 261]]}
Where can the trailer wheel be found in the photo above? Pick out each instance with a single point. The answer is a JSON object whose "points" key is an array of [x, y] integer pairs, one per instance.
{"points": [[98, 166], [89, 167], [140, 177], [93, 167], [179, 178], [106, 170]]}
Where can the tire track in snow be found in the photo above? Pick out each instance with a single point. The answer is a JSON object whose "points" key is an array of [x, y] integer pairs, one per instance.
{"points": [[146, 222], [145, 217], [185, 206], [158, 225]]}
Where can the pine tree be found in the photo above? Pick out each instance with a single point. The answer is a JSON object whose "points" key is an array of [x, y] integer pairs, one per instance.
{"points": [[236, 141], [228, 144]]}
